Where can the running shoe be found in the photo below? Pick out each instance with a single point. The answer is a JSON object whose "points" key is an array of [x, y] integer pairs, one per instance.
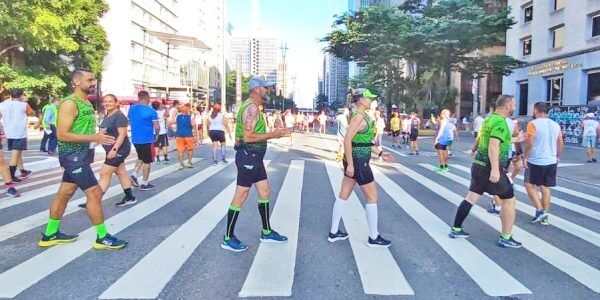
{"points": [[460, 234], [126, 201], [224, 161], [56, 239], [539, 215], [181, 167], [146, 187], [134, 181], [12, 192], [411, 153], [441, 170], [190, 166], [215, 163], [510, 243], [379, 242], [16, 179], [166, 161], [109, 242], [493, 210], [272, 237], [233, 244], [25, 174], [594, 160], [339, 236], [545, 221]]}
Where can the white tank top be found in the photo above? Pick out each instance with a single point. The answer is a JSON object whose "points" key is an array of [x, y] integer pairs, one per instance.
{"points": [[217, 122], [543, 152], [14, 118]]}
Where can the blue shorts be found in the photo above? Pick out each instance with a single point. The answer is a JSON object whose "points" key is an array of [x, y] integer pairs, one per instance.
{"points": [[78, 170], [589, 141]]}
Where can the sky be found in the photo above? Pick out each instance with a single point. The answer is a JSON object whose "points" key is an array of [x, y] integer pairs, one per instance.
{"points": [[300, 23]]}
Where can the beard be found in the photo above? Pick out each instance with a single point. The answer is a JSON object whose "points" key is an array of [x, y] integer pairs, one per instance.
{"points": [[89, 90]]}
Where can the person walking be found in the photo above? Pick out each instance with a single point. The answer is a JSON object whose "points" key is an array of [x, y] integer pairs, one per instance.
{"points": [[76, 132], [379, 128], [488, 173], [322, 122], [144, 122], [217, 128], [14, 112], [288, 119], [591, 130], [48, 123], [442, 137], [413, 136], [251, 146], [395, 129], [187, 134], [477, 124], [358, 146], [540, 159], [162, 139], [342, 122]]}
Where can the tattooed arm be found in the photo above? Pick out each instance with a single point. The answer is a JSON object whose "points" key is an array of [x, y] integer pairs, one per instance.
{"points": [[249, 119]]}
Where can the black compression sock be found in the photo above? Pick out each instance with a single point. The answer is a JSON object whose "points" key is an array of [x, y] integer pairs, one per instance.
{"points": [[462, 213], [232, 216], [263, 208], [128, 193], [13, 170]]}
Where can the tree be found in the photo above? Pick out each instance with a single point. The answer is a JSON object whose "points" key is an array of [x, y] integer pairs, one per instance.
{"points": [[231, 88], [321, 101]]}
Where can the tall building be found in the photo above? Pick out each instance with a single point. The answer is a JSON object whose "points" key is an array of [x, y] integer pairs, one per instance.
{"points": [[559, 43], [258, 54], [335, 78]]}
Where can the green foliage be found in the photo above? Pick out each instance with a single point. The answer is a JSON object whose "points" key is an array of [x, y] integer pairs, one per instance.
{"points": [[230, 88], [321, 101], [44, 86]]}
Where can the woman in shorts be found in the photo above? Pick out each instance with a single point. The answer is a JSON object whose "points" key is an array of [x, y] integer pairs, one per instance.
{"points": [[217, 127]]}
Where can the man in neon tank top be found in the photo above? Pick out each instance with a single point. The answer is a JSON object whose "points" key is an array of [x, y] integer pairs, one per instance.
{"points": [[251, 145], [76, 126], [358, 146]]}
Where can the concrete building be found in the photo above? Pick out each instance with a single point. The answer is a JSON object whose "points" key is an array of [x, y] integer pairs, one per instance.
{"points": [[559, 43], [258, 54], [335, 78]]}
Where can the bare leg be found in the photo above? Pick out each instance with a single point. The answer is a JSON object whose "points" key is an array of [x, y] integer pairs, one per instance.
{"points": [[59, 203], [180, 156], [240, 196], [94, 205], [105, 175], [123, 178], [146, 170], [190, 156], [507, 215], [533, 195], [546, 198]]}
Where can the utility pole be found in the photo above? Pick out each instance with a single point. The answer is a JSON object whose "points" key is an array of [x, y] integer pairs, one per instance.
{"points": [[283, 87]]}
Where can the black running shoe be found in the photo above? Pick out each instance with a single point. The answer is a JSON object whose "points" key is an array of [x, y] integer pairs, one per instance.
{"points": [[146, 187], [56, 239], [16, 179], [126, 201], [134, 181], [379, 242], [339, 236], [25, 173]]}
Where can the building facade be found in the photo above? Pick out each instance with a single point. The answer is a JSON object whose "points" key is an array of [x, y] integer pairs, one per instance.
{"points": [[335, 78], [258, 55], [559, 43]]}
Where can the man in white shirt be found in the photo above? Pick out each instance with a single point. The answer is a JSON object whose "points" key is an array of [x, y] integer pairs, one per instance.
{"points": [[591, 130], [162, 140], [322, 122], [477, 124], [14, 114], [542, 152]]}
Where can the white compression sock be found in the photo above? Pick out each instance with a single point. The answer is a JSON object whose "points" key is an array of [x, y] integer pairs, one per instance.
{"points": [[372, 220], [336, 215]]}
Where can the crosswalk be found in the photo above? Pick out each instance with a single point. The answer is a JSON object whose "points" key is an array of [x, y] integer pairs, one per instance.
{"points": [[271, 270]]}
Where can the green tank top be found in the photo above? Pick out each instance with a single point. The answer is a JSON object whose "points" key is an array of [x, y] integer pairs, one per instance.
{"points": [[363, 140], [84, 123], [261, 128]]}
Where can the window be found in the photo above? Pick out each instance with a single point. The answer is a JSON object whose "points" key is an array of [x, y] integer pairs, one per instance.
{"points": [[527, 46], [559, 4], [594, 86], [555, 90], [523, 96], [558, 36], [528, 13], [596, 26]]}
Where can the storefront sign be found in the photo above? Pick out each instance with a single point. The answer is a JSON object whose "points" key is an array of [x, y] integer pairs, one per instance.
{"points": [[570, 118], [554, 66]]}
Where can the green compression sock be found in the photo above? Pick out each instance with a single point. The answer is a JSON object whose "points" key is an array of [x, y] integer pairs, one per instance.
{"points": [[101, 230], [52, 227], [506, 236]]}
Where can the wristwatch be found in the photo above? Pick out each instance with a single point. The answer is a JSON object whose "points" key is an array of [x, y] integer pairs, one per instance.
{"points": [[114, 149], [380, 153]]}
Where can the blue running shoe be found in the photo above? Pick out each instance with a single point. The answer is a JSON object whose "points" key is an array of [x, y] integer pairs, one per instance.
{"points": [[12, 192], [272, 237], [339, 236], [545, 221], [493, 210], [539, 215], [460, 234], [379, 242], [233, 244], [109, 242], [510, 243], [56, 239]]}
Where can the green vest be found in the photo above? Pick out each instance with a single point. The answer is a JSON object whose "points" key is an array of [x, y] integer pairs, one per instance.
{"points": [[363, 140], [260, 127], [84, 123]]}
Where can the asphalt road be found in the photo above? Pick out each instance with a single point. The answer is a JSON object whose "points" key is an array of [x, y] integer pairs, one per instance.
{"points": [[175, 230]]}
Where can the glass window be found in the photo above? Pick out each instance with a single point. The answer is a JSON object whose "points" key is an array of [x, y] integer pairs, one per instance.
{"points": [[558, 37], [559, 4], [528, 14], [594, 86], [596, 26], [555, 90], [523, 96], [527, 46]]}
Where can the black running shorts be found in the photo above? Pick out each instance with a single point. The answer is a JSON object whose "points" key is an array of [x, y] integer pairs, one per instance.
{"points": [[77, 169], [145, 152], [480, 183], [395, 132], [250, 167], [217, 136], [439, 146], [119, 159], [17, 144], [162, 141], [362, 171], [414, 134], [541, 175]]}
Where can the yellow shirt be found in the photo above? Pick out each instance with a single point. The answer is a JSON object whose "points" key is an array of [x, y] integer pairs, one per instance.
{"points": [[395, 124]]}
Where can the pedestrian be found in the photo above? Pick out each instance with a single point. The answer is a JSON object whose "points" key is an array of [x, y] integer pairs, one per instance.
{"points": [[395, 129], [322, 122], [477, 124], [442, 137], [358, 146], [251, 146], [162, 139], [115, 124], [11, 191], [48, 122], [488, 173], [172, 112], [591, 130], [187, 135], [406, 122], [75, 130], [305, 123], [144, 122], [311, 122], [413, 136], [452, 135], [288, 119], [379, 128], [540, 159], [14, 112], [466, 122], [217, 128], [342, 122], [200, 119]]}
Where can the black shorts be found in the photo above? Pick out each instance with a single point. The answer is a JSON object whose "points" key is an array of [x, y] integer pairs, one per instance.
{"points": [[122, 154], [162, 141], [362, 171], [480, 183], [404, 133], [77, 169], [250, 167], [217, 136], [439, 146], [395, 132], [145, 152], [17, 144], [414, 134], [541, 175]]}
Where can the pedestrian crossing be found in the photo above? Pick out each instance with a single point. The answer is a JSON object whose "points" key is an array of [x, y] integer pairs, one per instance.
{"points": [[272, 269]]}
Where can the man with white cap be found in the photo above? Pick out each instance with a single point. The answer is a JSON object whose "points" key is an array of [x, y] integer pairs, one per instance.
{"points": [[251, 145], [591, 130]]}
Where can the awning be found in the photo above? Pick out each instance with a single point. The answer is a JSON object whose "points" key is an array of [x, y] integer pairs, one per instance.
{"points": [[179, 40]]}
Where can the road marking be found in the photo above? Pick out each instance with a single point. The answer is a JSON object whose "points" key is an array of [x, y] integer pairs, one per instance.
{"points": [[571, 192], [560, 223], [17, 279], [275, 263], [578, 270], [28, 223], [555, 200], [159, 266], [493, 280], [394, 151], [378, 270]]}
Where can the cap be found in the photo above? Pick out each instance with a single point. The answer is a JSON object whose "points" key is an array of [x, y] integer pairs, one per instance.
{"points": [[590, 115], [363, 93], [256, 82]]}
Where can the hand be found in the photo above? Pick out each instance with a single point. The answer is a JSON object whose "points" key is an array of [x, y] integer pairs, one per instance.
{"points": [[103, 138], [525, 166], [523, 136], [111, 154], [388, 157], [350, 171], [473, 152], [494, 176], [435, 142], [281, 132]]}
